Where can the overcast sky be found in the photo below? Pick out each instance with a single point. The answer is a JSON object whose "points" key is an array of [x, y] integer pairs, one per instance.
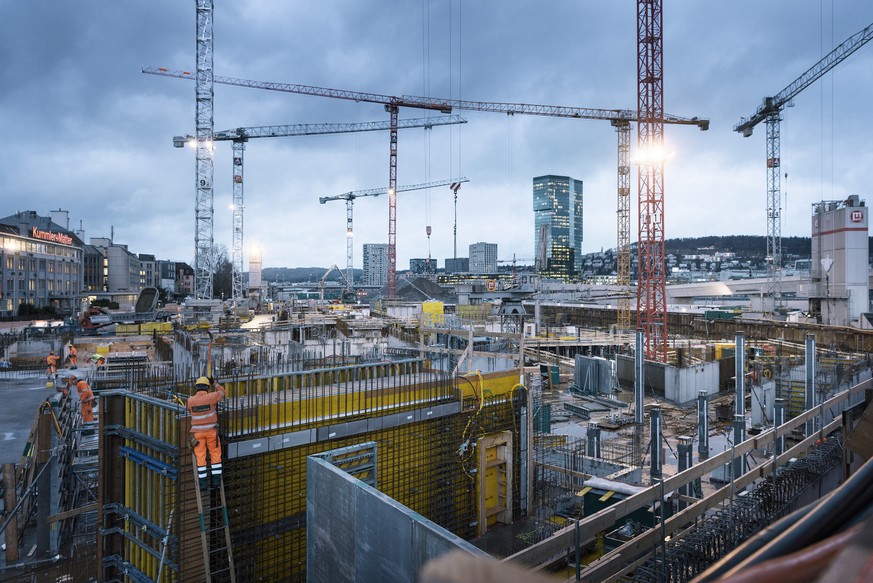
{"points": [[86, 131]]}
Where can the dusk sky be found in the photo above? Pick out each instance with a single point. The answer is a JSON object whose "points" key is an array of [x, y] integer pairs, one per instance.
{"points": [[86, 131]]}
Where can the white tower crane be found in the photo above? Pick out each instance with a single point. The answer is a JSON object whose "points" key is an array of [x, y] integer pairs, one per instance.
{"points": [[454, 184], [769, 111]]}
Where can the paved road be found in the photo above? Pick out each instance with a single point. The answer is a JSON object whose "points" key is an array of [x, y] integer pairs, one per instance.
{"points": [[19, 403]]}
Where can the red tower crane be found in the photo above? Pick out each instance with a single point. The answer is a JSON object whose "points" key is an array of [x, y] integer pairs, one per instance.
{"points": [[651, 282]]}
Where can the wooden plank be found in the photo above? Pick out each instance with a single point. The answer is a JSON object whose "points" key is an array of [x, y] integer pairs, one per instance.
{"points": [[73, 512]]}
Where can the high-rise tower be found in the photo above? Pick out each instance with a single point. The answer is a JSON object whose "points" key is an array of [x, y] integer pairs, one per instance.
{"points": [[557, 202]]}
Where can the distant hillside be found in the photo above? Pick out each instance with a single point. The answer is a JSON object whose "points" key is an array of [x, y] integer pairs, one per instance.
{"points": [[750, 246]]}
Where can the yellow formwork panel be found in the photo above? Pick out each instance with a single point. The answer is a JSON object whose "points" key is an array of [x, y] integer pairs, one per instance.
{"points": [[433, 313]]}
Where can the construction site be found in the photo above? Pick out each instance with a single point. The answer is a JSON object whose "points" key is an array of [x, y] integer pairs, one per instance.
{"points": [[500, 436]]}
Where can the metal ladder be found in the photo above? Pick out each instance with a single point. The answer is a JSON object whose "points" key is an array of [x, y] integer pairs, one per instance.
{"points": [[217, 562]]}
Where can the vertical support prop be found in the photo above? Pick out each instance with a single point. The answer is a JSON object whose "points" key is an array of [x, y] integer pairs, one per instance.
{"points": [[655, 424], [810, 382], [778, 420], [639, 378], [593, 445], [684, 450], [702, 425]]}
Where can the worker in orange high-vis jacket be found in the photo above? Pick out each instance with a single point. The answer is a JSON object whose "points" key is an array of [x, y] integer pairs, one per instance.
{"points": [[74, 359], [202, 406], [86, 399], [52, 361]]}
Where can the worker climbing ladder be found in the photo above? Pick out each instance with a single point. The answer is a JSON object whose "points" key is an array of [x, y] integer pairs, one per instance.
{"points": [[214, 532]]}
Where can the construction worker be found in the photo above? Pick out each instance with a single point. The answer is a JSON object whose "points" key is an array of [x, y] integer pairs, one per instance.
{"points": [[86, 398], [202, 406], [74, 364], [52, 361]]}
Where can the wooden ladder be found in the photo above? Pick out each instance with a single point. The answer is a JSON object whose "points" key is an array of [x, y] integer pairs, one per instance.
{"points": [[217, 561]]}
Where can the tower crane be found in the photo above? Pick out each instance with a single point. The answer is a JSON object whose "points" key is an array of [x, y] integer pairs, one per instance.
{"points": [[239, 136], [769, 112], [621, 118], [349, 197], [651, 281]]}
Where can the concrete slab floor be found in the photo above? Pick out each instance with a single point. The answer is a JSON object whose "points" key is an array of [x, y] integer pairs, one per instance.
{"points": [[19, 403]]}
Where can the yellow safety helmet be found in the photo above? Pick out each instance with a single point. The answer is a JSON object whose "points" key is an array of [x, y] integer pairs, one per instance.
{"points": [[203, 381]]}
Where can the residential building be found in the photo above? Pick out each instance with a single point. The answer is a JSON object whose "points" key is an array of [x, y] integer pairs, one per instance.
{"points": [[557, 206], [147, 274], [375, 264], [483, 258]]}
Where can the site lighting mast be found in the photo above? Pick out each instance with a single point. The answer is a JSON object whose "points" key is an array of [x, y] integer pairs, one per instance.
{"points": [[349, 197], [239, 136], [619, 116], [770, 112]]}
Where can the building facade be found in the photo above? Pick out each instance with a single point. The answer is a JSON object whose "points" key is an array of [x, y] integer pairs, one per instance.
{"points": [[41, 265], [422, 265], [557, 206], [457, 265], [483, 258], [839, 261], [375, 264]]}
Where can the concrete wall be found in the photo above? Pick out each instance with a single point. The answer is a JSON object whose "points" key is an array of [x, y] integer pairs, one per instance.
{"points": [[681, 385], [356, 533]]}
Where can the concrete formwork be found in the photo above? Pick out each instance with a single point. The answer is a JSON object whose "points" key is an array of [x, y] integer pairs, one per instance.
{"points": [[356, 533]]}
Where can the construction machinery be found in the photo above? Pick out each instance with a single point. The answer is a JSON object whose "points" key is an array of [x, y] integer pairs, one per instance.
{"points": [[621, 118], [770, 112], [239, 136], [348, 295], [349, 197]]}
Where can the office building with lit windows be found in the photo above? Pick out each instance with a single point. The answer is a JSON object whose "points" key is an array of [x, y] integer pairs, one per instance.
{"points": [[557, 206], [41, 264]]}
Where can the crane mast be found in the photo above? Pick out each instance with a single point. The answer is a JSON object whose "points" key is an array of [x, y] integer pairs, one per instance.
{"points": [[203, 210], [623, 248], [770, 113], [651, 285]]}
